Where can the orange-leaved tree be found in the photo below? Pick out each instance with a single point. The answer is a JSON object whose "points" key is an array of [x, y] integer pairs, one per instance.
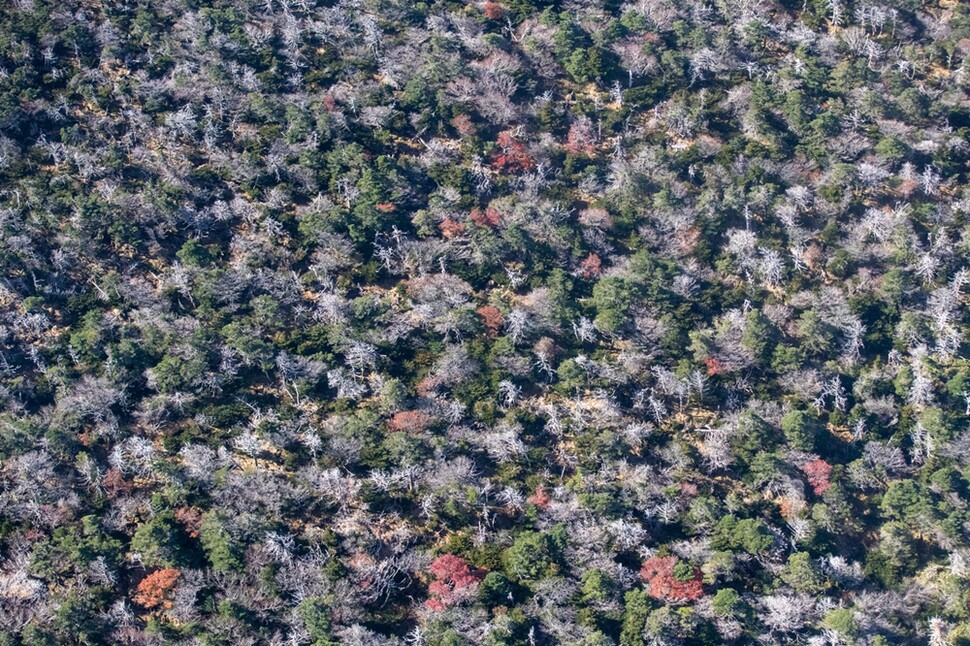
{"points": [[154, 589]]}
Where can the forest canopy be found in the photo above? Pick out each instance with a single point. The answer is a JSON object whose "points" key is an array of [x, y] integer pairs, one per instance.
{"points": [[581, 322]]}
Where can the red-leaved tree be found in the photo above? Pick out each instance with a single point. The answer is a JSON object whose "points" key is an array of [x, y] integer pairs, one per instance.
{"points": [[451, 228], [454, 581], [540, 498], [490, 217], [492, 318], [510, 156], [191, 519], [409, 421], [464, 125], [581, 139], [671, 580], [590, 266], [714, 367], [494, 11], [818, 473]]}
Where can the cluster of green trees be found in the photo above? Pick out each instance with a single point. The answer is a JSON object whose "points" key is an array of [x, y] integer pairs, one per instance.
{"points": [[521, 322]]}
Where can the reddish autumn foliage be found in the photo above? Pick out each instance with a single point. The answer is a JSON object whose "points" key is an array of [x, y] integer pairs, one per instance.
{"points": [[488, 218], [427, 385], [688, 239], [581, 139], [409, 421], [492, 217], [818, 473], [661, 574], [494, 11], [464, 125], [591, 266], [454, 581], [451, 228], [540, 498], [507, 140], [714, 367], [115, 483], [786, 508], [190, 518], [154, 589], [907, 187], [453, 569], [492, 318], [511, 156], [789, 508]]}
